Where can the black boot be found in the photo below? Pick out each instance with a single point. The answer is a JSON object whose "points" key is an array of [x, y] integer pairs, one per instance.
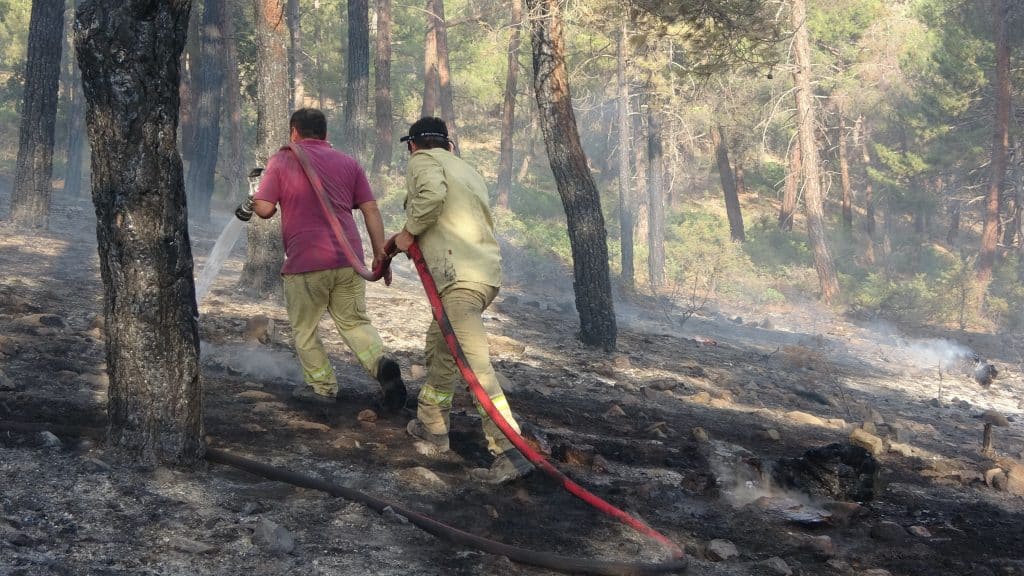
{"points": [[391, 384]]}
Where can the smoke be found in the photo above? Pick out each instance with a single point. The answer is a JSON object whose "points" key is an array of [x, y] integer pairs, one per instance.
{"points": [[260, 363], [922, 353]]}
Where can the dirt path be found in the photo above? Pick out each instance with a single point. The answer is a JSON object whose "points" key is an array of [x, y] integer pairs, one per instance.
{"points": [[681, 427]]}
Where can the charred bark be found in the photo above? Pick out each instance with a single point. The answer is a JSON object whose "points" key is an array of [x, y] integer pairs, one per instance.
{"points": [[788, 207], [30, 198], [209, 88], [236, 169], [187, 118], [587, 235], [131, 86], [357, 87], [76, 142], [827, 279], [383, 151], [1000, 143], [261, 274], [508, 107], [732, 199]]}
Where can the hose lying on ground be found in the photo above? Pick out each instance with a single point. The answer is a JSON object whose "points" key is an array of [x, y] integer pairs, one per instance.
{"points": [[438, 529]]}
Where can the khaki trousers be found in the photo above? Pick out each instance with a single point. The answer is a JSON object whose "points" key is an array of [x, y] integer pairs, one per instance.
{"points": [[465, 303], [341, 292]]}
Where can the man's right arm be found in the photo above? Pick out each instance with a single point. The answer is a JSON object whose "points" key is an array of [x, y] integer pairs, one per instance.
{"points": [[427, 193], [269, 194]]}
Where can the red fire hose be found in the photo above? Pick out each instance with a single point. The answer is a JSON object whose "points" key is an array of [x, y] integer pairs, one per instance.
{"points": [[441, 317]]}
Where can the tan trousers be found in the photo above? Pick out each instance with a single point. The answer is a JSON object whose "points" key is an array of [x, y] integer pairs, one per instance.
{"points": [[465, 303], [341, 292]]}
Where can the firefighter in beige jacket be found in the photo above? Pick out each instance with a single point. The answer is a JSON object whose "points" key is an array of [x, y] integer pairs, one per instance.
{"points": [[447, 214]]}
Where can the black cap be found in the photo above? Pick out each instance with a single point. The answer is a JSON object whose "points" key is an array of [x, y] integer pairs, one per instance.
{"points": [[426, 127]]}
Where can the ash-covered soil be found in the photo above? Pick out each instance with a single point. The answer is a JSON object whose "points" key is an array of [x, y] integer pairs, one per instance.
{"points": [[683, 427]]}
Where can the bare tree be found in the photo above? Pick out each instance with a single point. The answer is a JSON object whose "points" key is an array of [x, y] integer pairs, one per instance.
{"points": [[812, 181], [384, 149], [587, 234], [261, 273], [508, 107], [208, 91], [131, 85], [357, 86], [30, 199], [1000, 142]]}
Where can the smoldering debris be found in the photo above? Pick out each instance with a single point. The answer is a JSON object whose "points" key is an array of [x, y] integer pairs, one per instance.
{"points": [[260, 362]]}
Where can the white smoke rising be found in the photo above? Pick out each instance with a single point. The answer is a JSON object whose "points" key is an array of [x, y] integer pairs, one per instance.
{"points": [[261, 363], [922, 353]]}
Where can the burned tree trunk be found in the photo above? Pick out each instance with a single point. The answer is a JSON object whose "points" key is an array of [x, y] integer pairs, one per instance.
{"points": [[357, 87], [655, 203], [444, 77], [869, 203], [1000, 144], [261, 274], [232, 108], [844, 175], [431, 88], [808, 148], [587, 235], [788, 207], [30, 198], [732, 199], [209, 86], [508, 107], [76, 141], [384, 128], [626, 204], [131, 85]]}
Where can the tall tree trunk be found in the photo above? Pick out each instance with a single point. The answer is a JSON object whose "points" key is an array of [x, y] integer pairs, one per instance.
{"points": [[357, 86], [318, 62], [444, 77], [431, 87], [732, 199], [295, 55], [587, 235], [808, 149], [869, 201], [844, 175], [1000, 143], [953, 234], [155, 406], [508, 107], [76, 130], [655, 203], [384, 150], [741, 182], [190, 59], [209, 87], [626, 203], [789, 192], [233, 108], [30, 199], [261, 273]]}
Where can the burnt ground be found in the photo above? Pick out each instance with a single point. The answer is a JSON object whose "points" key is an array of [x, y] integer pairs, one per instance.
{"points": [[680, 427]]}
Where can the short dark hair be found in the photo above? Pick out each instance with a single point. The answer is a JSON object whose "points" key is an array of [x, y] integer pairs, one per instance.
{"points": [[428, 132], [310, 123]]}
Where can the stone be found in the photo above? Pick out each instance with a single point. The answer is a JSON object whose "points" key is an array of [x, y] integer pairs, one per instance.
{"points": [[6, 384], [822, 546], [869, 427], [49, 440], [919, 531], [417, 372], [905, 450], [887, 531], [256, 395], [306, 425], [836, 471], [273, 538], [95, 465], [843, 512], [773, 434], [776, 566], [699, 434], [699, 398], [9, 346], [260, 329], [805, 418], [990, 476], [423, 477], [190, 546], [614, 412], [840, 566], [873, 444], [719, 550], [621, 362], [366, 416]]}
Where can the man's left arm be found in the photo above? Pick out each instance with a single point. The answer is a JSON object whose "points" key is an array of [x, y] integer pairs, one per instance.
{"points": [[374, 228]]}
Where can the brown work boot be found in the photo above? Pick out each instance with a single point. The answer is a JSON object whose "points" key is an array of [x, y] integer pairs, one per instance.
{"points": [[508, 466], [432, 443], [390, 377]]}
